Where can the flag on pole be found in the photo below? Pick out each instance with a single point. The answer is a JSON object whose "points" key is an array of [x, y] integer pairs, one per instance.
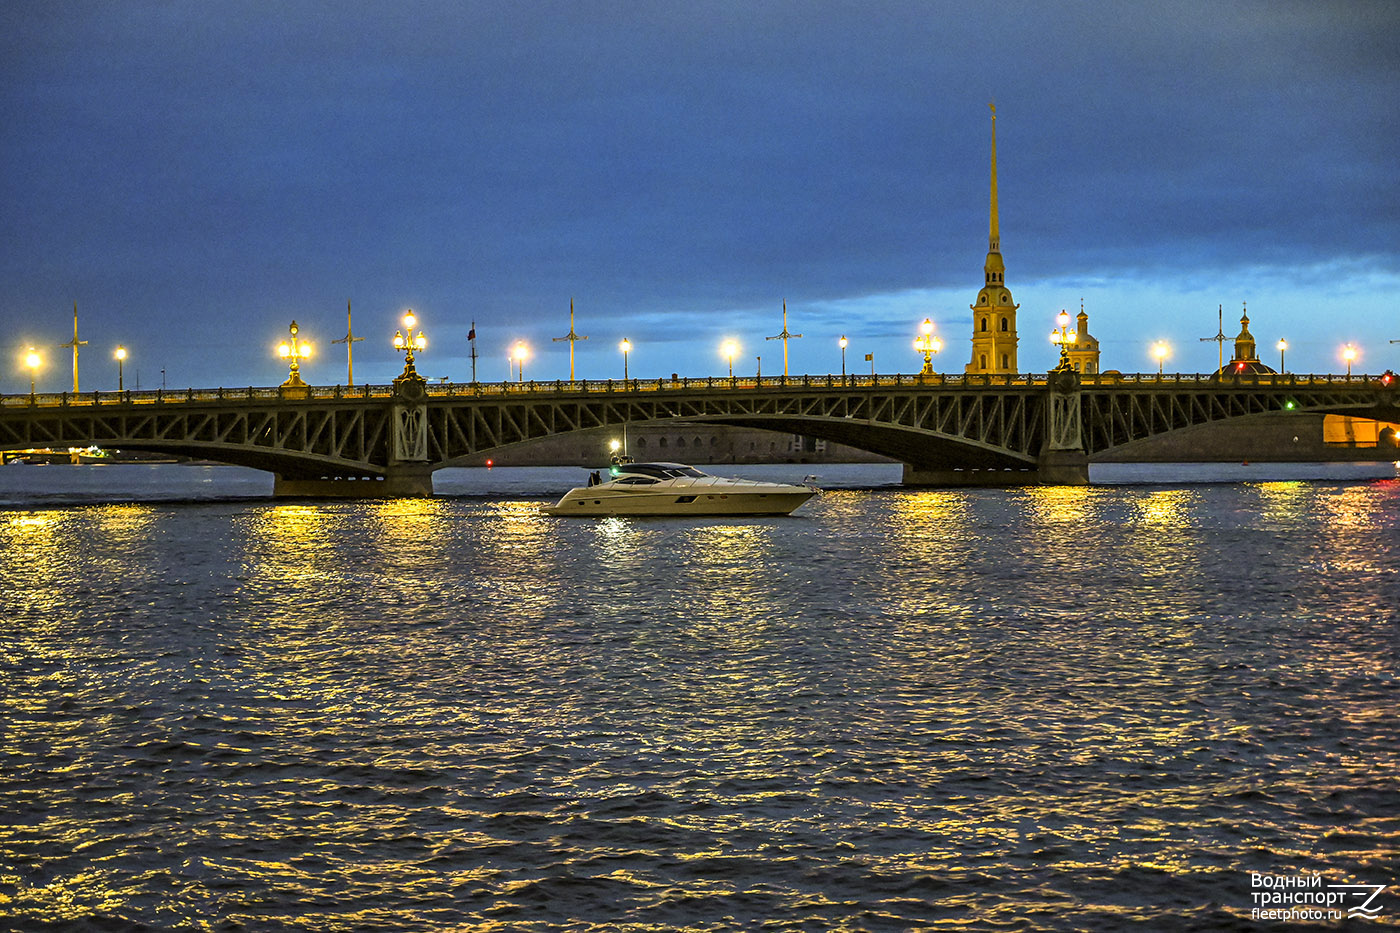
{"points": [[870, 357], [471, 334]]}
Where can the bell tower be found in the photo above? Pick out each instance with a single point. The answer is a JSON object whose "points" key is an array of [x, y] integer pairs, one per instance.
{"points": [[994, 315]]}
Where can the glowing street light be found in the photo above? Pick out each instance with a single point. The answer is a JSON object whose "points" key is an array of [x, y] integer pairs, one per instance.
{"points": [[626, 348], [1064, 337], [844, 343], [407, 344], [927, 344], [1282, 345], [520, 353], [1161, 351], [33, 361], [1349, 354], [295, 351], [121, 358], [728, 349]]}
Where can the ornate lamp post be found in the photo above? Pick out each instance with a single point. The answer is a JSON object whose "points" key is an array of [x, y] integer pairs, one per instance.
{"points": [[406, 345], [295, 351], [520, 353], [927, 344], [1160, 350], [1064, 337], [1282, 345], [626, 348], [843, 342], [33, 361], [1349, 354], [728, 349], [121, 358]]}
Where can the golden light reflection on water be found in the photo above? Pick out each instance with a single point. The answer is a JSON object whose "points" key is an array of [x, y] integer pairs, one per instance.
{"points": [[1284, 501], [1053, 505], [1165, 507], [409, 519], [1351, 506]]}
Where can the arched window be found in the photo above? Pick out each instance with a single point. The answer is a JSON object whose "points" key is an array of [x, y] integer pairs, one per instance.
{"points": [[1005, 361], [641, 442], [697, 442], [984, 325], [661, 442], [982, 361], [1092, 368], [714, 441], [1004, 326], [680, 442]]}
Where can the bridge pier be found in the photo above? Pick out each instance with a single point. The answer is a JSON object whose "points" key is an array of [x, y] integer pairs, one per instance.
{"points": [[402, 482], [1063, 468]]}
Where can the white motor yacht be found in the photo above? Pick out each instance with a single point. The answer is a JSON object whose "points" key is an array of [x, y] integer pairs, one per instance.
{"points": [[677, 489]]}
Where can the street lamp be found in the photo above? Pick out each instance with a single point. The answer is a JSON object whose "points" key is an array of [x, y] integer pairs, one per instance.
{"points": [[1160, 350], [843, 342], [927, 344], [1064, 337], [296, 351], [1282, 345], [33, 361], [407, 344], [521, 352], [626, 348], [1349, 354], [728, 349], [121, 358]]}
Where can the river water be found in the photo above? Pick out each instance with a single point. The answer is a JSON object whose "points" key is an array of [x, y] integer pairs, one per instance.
{"points": [[1041, 708]]}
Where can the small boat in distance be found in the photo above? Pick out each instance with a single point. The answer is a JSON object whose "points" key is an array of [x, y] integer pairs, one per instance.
{"points": [[676, 489]]}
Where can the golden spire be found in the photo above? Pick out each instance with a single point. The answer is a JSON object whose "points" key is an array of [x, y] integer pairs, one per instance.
{"points": [[994, 239]]}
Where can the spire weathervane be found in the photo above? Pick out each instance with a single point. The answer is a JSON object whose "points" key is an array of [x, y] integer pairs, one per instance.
{"points": [[75, 343], [349, 340], [572, 338], [784, 338]]}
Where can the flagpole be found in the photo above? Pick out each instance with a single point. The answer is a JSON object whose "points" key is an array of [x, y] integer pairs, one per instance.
{"points": [[471, 337]]}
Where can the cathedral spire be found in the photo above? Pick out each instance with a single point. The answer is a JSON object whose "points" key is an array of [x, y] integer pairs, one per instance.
{"points": [[994, 235]]}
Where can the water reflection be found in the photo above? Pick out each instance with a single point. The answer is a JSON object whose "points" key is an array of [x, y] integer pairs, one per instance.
{"points": [[1165, 507]]}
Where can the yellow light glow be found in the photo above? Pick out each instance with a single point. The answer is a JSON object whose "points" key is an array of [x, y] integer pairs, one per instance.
{"points": [[410, 320], [843, 342], [521, 351], [625, 346], [398, 340], [729, 348], [32, 359], [926, 328], [1062, 319], [283, 350], [1282, 344], [121, 353], [1159, 350], [1349, 353], [614, 445]]}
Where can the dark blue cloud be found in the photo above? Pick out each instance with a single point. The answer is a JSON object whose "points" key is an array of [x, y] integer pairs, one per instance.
{"points": [[194, 176]]}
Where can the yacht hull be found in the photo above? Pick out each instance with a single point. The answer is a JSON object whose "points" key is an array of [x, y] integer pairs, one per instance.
{"points": [[585, 502]]}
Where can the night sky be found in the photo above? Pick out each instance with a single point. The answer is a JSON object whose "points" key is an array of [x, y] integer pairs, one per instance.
{"points": [[195, 175]]}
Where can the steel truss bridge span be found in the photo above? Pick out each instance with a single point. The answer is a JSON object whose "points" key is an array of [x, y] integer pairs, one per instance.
{"points": [[387, 440]]}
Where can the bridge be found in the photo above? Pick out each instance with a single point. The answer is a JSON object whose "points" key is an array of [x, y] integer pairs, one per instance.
{"points": [[378, 441]]}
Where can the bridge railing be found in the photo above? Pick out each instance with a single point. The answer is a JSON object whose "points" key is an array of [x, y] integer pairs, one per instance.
{"points": [[723, 383]]}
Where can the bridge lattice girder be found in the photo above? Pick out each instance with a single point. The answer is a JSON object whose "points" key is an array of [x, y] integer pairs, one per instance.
{"points": [[950, 422]]}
